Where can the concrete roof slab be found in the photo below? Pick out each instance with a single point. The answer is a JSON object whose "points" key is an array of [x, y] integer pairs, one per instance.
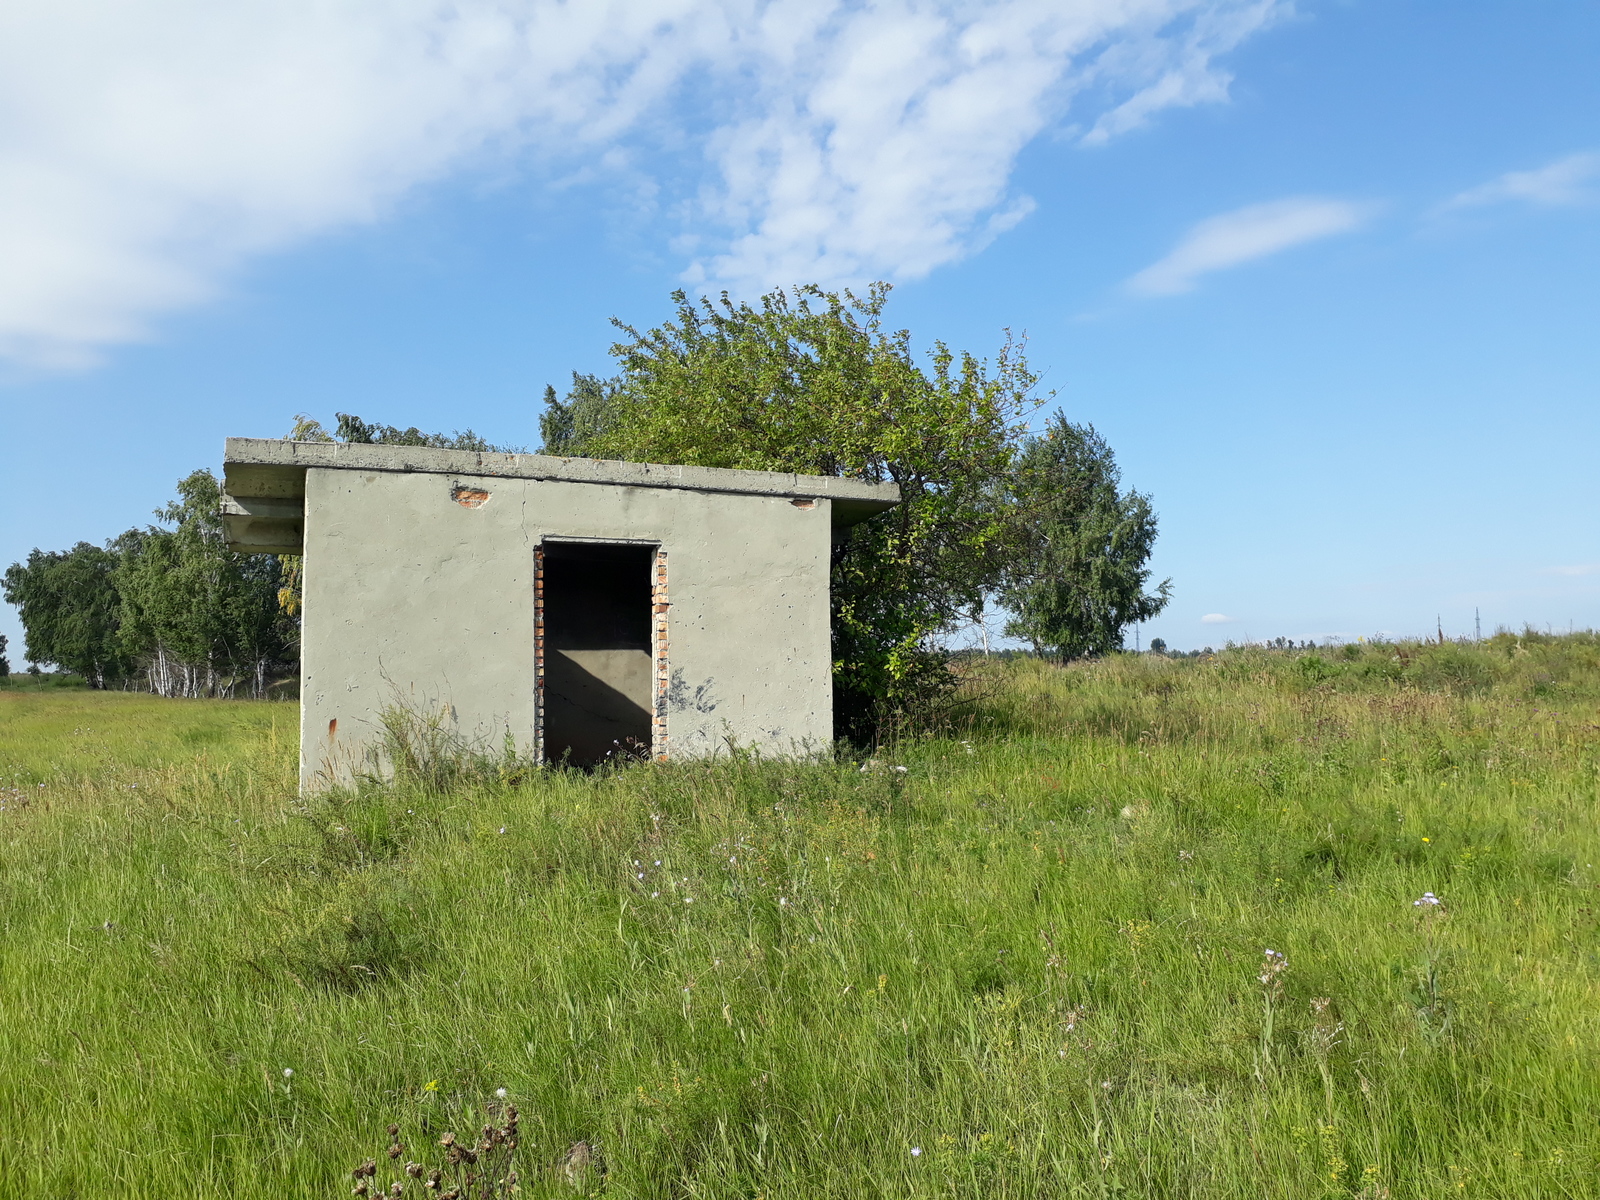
{"points": [[263, 477], [257, 461]]}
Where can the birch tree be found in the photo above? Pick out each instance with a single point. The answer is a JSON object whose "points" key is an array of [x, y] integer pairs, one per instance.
{"points": [[202, 619]]}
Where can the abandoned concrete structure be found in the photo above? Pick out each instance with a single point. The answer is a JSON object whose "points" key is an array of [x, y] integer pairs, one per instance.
{"points": [[582, 608]]}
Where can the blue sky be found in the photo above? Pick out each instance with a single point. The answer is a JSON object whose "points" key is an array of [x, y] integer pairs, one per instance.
{"points": [[1327, 275]]}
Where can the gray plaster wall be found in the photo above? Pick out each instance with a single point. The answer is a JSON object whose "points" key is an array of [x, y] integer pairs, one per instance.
{"points": [[411, 597]]}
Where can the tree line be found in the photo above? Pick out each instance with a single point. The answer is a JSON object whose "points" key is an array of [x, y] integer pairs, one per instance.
{"points": [[168, 607], [806, 381]]}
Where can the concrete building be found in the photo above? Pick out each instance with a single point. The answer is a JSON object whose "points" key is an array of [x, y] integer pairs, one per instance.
{"points": [[582, 608]]}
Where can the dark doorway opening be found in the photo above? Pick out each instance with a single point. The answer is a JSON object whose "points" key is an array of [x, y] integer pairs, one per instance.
{"points": [[598, 696]]}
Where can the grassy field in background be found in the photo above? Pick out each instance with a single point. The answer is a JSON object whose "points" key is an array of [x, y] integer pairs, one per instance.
{"points": [[69, 736], [1028, 964]]}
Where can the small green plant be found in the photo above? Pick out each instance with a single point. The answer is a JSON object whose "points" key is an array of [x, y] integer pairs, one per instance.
{"points": [[1316, 668], [419, 747], [1325, 1033], [1431, 1008], [1273, 964]]}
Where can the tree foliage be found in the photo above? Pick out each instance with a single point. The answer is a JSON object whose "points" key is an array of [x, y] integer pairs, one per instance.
{"points": [[193, 610], [68, 601], [812, 382], [566, 426], [1076, 575], [353, 429]]}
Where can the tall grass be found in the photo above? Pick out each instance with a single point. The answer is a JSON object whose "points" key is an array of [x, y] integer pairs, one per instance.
{"points": [[1032, 963]]}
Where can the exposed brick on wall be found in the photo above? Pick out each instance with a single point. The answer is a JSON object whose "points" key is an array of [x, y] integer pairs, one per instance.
{"points": [[659, 607], [538, 652]]}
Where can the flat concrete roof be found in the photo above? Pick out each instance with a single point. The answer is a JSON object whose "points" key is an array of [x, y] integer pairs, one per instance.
{"points": [[264, 476]]}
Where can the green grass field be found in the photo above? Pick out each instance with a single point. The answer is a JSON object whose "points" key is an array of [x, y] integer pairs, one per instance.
{"points": [[1028, 964]]}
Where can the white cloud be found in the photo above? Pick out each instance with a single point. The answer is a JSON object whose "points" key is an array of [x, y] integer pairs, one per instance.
{"points": [[1248, 233], [885, 148], [1181, 70], [1582, 569], [148, 148], [1563, 182], [1216, 619]]}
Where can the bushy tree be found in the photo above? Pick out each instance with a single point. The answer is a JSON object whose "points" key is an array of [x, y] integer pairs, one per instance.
{"points": [[5, 663], [566, 426], [810, 381], [71, 614], [1076, 576]]}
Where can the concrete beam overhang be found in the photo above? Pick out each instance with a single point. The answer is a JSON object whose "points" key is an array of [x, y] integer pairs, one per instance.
{"points": [[265, 482]]}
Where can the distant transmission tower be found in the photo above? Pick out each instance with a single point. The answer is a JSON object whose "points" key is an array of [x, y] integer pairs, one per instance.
{"points": [[1477, 627]]}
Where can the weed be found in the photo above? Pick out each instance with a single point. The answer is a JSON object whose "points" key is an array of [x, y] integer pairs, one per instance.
{"points": [[473, 1168]]}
